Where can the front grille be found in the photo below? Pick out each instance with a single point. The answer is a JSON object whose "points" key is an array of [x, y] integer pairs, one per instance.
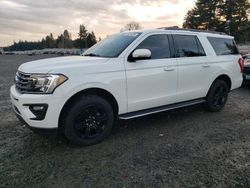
{"points": [[246, 70], [23, 82]]}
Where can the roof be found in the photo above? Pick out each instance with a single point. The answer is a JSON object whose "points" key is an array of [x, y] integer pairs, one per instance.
{"points": [[193, 30], [182, 30]]}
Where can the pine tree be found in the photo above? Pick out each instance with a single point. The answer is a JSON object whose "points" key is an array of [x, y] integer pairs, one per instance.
{"points": [[66, 38], [83, 34], [49, 41], [234, 17], [91, 39], [202, 16], [230, 16]]}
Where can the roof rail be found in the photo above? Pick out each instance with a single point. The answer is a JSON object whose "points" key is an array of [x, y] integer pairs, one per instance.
{"points": [[193, 30]]}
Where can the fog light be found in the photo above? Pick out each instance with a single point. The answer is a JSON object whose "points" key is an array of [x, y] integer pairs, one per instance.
{"points": [[39, 110]]}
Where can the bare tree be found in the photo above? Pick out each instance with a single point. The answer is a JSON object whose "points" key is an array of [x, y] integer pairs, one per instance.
{"points": [[131, 26]]}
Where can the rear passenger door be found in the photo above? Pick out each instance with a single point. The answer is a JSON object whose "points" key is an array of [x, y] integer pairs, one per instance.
{"points": [[193, 67], [152, 82]]}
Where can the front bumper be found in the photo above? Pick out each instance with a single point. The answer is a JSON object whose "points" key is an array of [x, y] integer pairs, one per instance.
{"points": [[40, 131], [19, 103]]}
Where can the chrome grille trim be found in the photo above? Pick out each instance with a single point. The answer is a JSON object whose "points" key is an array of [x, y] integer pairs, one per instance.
{"points": [[22, 82]]}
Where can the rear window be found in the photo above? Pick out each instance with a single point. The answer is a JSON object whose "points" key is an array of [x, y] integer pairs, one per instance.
{"points": [[188, 46], [223, 46]]}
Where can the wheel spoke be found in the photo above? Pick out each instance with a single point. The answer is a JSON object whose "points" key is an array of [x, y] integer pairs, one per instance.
{"points": [[101, 117], [222, 99], [221, 90], [215, 101], [217, 95], [87, 132], [97, 128]]}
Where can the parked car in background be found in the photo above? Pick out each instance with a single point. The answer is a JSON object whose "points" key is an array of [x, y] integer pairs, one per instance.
{"points": [[246, 58], [9, 53], [127, 75], [246, 71]]}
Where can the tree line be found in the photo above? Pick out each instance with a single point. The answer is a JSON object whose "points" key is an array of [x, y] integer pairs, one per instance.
{"points": [[85, 40], [228, 16]]}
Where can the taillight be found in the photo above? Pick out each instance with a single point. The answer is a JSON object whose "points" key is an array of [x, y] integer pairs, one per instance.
{"points": [[241, 64]]}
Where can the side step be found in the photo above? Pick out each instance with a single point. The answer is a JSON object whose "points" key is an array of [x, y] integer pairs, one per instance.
{"points": [[141, 113]]}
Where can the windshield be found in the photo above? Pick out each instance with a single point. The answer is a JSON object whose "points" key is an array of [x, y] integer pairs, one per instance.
{"points": [[112, 46]]}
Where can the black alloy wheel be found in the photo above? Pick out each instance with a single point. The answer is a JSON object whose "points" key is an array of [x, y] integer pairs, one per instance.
{"points": [[88, 120], [220, 96], [217, 96]]}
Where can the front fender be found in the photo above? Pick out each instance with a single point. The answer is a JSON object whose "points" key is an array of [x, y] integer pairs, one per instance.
{"points": [[117, 93]]}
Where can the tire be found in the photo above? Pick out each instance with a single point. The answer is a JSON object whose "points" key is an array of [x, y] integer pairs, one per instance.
{"points": [[88, 121], [217, 96]]}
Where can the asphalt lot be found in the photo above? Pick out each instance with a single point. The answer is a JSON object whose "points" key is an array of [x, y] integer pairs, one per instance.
{"points": [[182, 148]]}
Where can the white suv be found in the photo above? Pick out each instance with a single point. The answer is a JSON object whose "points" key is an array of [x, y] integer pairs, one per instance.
{"points": [[127, 75]]}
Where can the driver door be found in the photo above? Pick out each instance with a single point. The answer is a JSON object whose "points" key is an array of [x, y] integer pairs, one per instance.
{"points": [[152, 82]]}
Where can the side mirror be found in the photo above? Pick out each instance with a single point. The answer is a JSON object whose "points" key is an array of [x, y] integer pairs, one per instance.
{"points": [[141, 54]]}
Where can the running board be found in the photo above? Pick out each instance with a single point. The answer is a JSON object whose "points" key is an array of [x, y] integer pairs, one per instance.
{"points": [[141, 113]]}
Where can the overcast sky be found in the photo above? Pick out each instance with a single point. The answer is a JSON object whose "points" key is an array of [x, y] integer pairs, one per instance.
{"points": [[33, 19]]}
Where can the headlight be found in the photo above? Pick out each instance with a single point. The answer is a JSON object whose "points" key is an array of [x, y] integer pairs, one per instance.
{"points": [[46, 83], [38, 83]]}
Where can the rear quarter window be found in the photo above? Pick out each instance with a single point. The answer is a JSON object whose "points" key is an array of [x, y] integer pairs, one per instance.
{"points": [[223, 46]]}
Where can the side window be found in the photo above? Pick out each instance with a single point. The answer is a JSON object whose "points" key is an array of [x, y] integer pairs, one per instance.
{"points": [[158, 45], [223, 46], [188, 46]]}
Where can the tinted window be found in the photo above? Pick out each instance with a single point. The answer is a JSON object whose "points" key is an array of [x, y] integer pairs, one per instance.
{"points": [[188, 46], [112, 46], [158, 45], [223, 46]]}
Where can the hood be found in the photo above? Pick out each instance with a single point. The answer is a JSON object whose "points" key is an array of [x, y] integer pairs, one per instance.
{"points": [[60, 63]]}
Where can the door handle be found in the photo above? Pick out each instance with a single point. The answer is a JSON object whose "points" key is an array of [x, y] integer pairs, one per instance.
{"points": [[205, 66], [169, 68]]}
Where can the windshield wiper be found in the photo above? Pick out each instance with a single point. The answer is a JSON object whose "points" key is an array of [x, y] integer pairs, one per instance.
{"points": [[92, 55]]}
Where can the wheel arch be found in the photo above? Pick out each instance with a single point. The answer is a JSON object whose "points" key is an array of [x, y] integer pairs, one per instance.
{"points": [[225, 78], [90, 91]]}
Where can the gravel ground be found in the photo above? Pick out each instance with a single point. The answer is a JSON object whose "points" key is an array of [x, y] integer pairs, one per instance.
{"points": [[188, 147]]}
